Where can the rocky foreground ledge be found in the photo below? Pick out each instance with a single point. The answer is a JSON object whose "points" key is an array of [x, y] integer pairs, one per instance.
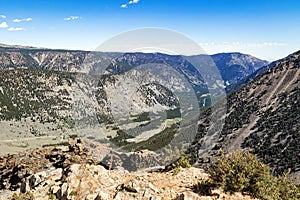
{"points": [[72, 172]]}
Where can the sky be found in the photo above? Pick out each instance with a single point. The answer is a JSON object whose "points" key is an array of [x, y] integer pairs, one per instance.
{"points": [[267, 29]]}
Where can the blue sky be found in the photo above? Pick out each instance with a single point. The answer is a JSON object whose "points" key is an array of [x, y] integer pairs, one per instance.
{"points": [[264, 28]]}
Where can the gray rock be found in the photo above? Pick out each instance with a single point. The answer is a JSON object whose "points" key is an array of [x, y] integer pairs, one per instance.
{"points": [[5, 194]]}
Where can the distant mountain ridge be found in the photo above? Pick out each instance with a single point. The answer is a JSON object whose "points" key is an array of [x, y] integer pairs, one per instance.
{"points": [[233, 67], [236, 66]]}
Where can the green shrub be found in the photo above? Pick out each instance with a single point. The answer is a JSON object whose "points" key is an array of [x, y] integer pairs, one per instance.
{"points": [[243, 172], [73, 136], [73, 193], [182, 162], [204, 188], [22, 196], [176, 170]]}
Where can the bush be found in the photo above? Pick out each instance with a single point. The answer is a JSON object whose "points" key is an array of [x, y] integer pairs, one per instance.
{"points": [[182, 162], [243, 172], [22, 196]]}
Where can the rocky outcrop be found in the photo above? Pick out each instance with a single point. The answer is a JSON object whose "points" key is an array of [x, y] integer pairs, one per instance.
{"points": [[71, 173], [27, 169]]}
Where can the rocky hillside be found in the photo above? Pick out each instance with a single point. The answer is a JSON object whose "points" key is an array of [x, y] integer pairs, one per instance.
{"points": [[263, 117], [47, 94], [52, 105], [71, 172]]}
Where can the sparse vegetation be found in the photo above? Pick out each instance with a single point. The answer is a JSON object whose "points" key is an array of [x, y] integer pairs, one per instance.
{"points": [[142, 117], [155, 142], [57, 144], [73, 136], [243, 172], [121, 138], [182, 162], [29, 96], [276, 139], [91, 137], [73, 193], [22, 196], [173, 113], [104, 119]]}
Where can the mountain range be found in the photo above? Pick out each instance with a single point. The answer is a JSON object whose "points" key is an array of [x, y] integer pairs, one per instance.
{"points": [[46, 95], [233, 67]]}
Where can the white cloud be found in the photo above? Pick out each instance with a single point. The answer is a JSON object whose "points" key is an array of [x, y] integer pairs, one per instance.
{"points": [[15, 29], [243, 44], [3, 16], [264, 50], [3, 25], [133, 1], [72, 18], [124, 5], [17, 20], [22, 20]]}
